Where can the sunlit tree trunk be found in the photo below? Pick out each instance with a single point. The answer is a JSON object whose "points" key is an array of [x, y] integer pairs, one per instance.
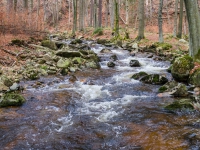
{"points": [[160, 22], [180, 24], [127, 12], [111, 9], [74, 17]]}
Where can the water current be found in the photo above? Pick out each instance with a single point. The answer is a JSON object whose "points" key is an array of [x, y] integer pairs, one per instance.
{"points": [[103, 110]]}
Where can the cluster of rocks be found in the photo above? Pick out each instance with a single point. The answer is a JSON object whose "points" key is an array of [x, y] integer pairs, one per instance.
{"points": [[50, 58]]}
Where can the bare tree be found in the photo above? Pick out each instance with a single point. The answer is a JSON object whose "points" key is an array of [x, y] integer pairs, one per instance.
{"points": [[160, 22]]}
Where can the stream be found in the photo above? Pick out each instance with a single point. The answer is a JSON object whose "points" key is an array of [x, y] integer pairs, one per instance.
{"points": [[103, 110]]}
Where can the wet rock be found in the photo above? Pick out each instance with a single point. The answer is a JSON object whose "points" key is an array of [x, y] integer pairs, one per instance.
{"points": [[134, 63], [11, 99], [3, 87], [111, 64], [139, 75], [113, 57], [183, 41], [49, 44], [135, 47], [174, 88], [154, 79], [76, 41], [181, 68], [194, 78], [63, 63], [105, 50], [7, 81], [180, 104]]}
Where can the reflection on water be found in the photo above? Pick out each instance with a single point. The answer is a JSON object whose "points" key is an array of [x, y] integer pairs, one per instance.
{"points": [[104, 109]]}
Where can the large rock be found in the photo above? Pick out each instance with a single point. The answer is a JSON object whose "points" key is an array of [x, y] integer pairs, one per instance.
{"points": [[154, 79], [49, 44], [180, 105], [195, 78], [134, 63], [93, 65], [63, 63], [139, 75], [11, 99], [181, 68], [174, 88]]}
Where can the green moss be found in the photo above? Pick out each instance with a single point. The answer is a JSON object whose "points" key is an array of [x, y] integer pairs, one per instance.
{"points": [[139, 75], [165, 46], [162, 89], [197, 56], [98, 31], [44, 67], [11, 99], [49, 44], [180, 104]]}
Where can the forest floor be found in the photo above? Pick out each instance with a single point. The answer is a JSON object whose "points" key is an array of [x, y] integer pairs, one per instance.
{"points": [[150, 37]]}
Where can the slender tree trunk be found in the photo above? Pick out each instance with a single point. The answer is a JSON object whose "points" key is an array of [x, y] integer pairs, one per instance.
{"points": [[175, 18], [74, 17], [193, 17], [15, 5], [26, 4], [100, 14], [127, 12], [116, 26], [141, 20], [180, 25], [107, 11], [111, 5], [91, 12], [160, 22], [95, 14]]}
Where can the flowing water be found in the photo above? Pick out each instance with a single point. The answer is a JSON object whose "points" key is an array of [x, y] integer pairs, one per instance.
{"points": [[103, 110]]}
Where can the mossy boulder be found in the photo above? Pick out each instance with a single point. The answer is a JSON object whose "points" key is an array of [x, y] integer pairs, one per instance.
{"points": [[174, 88], [78, 60], [11, 99], [154, 79], [139, 75], [195, 78], [163, 46], [180, 104], [49, 44], [32, 74], [181, 68], [63, 63]]}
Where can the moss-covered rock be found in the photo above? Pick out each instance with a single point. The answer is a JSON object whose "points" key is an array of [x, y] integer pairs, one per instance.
{"points": [[139, 75], [163, 46], [49, 44], [181, 68], [11, 99], [63, 63], [111, 64], [154, 79], [134, 63], [93, 65], [17, 42], [195, 78], [180, 104], [168, 86], [102, 41], [78, 60]]}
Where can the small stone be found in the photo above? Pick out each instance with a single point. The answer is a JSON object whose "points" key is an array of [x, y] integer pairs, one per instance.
{"points": [[111, 64], [134, 63]]}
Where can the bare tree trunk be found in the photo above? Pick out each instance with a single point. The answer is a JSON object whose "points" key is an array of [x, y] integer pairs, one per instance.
{"points": [[91, 12], [180, 25], [193, 17], [111, 14], [15, 5], [175, 18], [100, 13], [161, 40], [127, 12], [141, 20], [74, 17], [107, 11], [116, 27], [25, 4]]}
